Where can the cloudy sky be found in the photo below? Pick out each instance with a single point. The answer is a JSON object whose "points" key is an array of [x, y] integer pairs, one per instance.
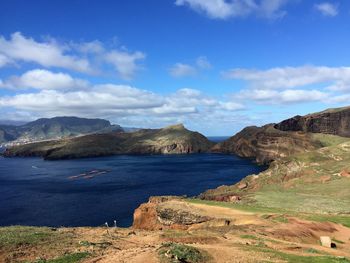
{"points": [[214, 65]]}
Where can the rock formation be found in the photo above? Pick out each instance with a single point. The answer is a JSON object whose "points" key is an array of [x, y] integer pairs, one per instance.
{"points": [[168, 212], [331, 121], [266, 143]]}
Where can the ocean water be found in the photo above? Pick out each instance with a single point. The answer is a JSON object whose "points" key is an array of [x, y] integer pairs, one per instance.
{"points": [[218, 138], [90, 192]]}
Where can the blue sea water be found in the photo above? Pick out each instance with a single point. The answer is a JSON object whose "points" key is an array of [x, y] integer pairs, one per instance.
{"points": [[47, 193]]}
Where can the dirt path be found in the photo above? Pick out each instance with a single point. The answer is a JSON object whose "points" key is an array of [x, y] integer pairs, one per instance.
{"points": [[237, 216]]}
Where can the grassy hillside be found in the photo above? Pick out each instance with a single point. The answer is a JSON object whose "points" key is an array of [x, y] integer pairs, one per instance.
{"points": [[314, 181]]}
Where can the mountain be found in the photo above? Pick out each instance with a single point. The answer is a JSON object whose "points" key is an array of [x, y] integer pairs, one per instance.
{"points": [[170, 140], [331, 121], [291, 136], [54, 128], [267, 143]]}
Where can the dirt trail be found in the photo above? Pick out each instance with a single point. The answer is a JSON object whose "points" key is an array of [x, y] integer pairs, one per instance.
{"points": [[237, 216]]}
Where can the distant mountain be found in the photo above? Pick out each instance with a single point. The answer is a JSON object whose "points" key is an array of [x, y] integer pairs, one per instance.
{"points": [[170, 140], [55, 128]]}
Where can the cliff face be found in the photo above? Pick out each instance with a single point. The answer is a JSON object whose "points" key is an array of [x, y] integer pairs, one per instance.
{"points": [[266, 143], [171, 140], [172, 212], [332, 121]]}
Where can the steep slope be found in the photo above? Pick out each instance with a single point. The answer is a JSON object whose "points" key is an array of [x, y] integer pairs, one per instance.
{"points": [[314, 181], [54, 128], [291, 136], [331, 121], [170, 140], [266, 143]]}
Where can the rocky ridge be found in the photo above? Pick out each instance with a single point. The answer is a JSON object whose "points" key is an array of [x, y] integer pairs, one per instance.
{"points": [[331, 121], [265, 144]]}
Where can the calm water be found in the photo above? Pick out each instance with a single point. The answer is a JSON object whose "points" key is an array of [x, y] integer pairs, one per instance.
{"points": [[41, 193]]}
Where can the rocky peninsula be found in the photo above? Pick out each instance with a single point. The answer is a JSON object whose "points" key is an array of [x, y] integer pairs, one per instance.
{"points": [[174, 139]]}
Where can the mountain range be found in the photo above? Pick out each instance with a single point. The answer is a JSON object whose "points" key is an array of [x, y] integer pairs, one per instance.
{"points": [[264, 144]]}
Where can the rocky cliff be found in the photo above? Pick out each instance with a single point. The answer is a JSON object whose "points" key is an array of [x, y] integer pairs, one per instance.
{"points": [[331, 121], [266, 143], [170, 140]]}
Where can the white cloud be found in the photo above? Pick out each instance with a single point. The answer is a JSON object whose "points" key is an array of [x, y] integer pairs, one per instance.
{"points": [[100, 100], [282, 97], [44, 79], [125, 63], [223, 9], [327, 9], [203, 62], [289, 85], [60, 94], [4, 60], [85, 57], [47, 54], [231, 106], [93, 47], [292, 77], [182, 70]]}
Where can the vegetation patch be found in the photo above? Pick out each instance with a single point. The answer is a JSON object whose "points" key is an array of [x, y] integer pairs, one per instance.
{"points": [[173, 252], [292, 258], [70, 258], [338, 219], [19, 235]]}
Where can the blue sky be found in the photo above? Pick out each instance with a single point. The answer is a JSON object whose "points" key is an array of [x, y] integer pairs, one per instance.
{"points": [[214, 65]]}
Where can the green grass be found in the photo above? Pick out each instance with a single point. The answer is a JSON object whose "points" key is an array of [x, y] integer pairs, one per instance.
{"points": [[310, 259], [338, 219], [19, 235], [182, 253], [327, 140], [312, 251], [292, 258], [70, 258], [246, 236]]}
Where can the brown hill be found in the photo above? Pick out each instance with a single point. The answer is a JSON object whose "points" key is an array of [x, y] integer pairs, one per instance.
{"points": [[170, 140]]}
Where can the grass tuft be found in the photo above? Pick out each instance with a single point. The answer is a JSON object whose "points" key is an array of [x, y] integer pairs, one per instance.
{"points": [[173, 252]]}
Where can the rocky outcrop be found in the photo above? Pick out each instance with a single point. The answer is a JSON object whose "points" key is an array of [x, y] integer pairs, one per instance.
{"points": [[331, 121], [165, 213], [266, 143], [170, 140]]}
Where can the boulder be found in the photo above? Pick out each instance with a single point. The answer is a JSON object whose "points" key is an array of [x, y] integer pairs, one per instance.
{"points": [[345, 173], [242, 185], [225, 198], [327, 242]]}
